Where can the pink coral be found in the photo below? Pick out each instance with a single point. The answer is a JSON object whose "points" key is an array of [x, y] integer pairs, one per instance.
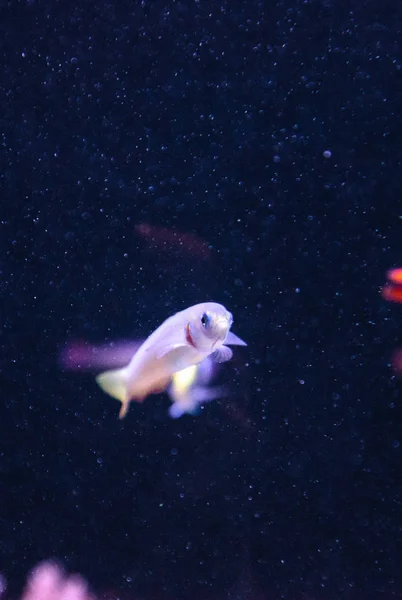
{"points": [[47, 581]]}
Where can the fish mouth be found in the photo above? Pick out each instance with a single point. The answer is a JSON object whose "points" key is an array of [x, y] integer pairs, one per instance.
{"points": [[222, 327]]}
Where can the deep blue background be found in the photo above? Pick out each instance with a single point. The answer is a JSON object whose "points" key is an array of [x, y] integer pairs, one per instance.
{"points": [[211, 117]]}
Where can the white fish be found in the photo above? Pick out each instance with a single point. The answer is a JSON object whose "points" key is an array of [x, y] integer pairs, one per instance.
{"points": [[182, 341]]}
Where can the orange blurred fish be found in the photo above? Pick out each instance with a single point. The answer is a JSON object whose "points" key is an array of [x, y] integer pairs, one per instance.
{"points": [[392, 291]]}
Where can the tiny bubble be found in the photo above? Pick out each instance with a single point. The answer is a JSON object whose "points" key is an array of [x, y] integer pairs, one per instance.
{"points": [[327, 154]]}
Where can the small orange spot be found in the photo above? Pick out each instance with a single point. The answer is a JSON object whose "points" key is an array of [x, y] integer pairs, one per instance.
{"points": [[395, 276]]}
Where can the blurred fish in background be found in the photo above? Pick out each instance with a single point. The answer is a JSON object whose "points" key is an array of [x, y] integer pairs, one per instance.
{"points": [[392, 292], [80, 355], [190, 388], [171, 241]]}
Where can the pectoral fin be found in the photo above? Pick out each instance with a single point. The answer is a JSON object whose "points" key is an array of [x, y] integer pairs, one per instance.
{"points": [[223, 354], [233, 340]]}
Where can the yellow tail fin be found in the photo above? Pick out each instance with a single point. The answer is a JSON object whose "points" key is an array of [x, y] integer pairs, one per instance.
{"points": [[114, 383]]}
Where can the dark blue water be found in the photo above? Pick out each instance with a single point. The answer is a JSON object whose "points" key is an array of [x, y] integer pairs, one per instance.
{"points": [[271, 131]]}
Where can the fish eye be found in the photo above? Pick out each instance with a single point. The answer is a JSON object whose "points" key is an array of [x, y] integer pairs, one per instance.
{"points": [[205, 319]]}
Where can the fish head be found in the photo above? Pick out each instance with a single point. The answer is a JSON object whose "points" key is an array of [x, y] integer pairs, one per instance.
{"points": [[209, 327]]}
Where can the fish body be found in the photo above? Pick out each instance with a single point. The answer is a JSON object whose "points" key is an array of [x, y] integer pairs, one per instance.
{"points": [[182, 341]]}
